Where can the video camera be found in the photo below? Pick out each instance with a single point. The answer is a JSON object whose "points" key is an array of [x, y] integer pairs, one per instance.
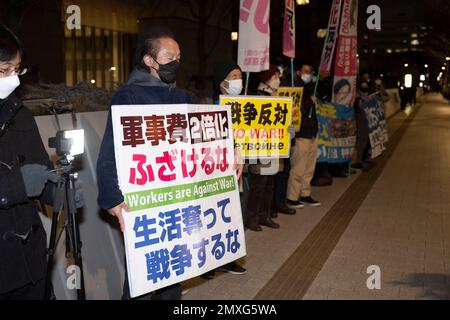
{"points": [[68, 144]]}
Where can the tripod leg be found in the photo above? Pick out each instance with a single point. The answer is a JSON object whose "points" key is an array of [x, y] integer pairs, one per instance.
{"points": [[51, 253], [52, 245], [74, 234]]}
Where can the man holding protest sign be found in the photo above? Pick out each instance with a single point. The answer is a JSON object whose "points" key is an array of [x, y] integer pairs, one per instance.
{"points": [[152, 82]]}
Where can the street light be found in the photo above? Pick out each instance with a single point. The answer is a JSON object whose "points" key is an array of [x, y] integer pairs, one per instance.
{"points": [[447, 58], [406, 65], [426, 66], [408, 80]]}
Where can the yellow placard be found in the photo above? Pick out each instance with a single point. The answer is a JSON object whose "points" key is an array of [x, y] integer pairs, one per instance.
{"points": [[297, 94], [261, 125]]}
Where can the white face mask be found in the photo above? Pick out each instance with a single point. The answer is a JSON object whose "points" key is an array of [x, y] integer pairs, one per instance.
{"points": [[8, 85], [274, 83], [234, 87], [307, 78]]}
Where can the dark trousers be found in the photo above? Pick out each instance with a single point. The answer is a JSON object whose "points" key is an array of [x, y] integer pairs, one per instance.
{"points": [[259, 202], [172, 292], [280, 186], [362, 136]]}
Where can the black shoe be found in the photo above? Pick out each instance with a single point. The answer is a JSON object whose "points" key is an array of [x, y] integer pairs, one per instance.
{"points": [[232, 268], [285, 210], [274, 213], [340, 174], [209, 275], [268, 222], [358, 166], [367, 164], [254, 226], [363, 166], [294, 204], [310, 202]]}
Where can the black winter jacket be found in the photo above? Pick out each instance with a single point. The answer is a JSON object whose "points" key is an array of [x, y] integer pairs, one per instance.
{"points": [[21, 262], [309, 125]]}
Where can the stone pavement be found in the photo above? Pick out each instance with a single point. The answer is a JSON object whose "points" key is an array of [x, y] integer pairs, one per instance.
{"points": [[400, 227]]}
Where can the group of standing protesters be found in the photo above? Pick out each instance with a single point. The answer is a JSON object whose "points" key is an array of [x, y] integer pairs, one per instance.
{"points": [[276, 186]]}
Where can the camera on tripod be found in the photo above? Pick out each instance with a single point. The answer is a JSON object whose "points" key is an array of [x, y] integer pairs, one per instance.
{"points": [[68, 144]]}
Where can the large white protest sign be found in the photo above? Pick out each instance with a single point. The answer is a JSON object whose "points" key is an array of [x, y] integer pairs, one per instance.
{"points": [[174, 165]]}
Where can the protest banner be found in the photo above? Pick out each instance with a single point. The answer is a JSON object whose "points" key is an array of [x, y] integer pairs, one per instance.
{"points": [[261, 125], [289, 29], [174, 165], [376, 120], [337, 132], [254, 35], [296, 93], [346, 65], [331, 37]]}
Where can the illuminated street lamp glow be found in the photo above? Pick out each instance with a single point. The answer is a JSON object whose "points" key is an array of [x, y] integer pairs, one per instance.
{"points": [[426, 66], [408, 80], [321, 33], [302, 2], [406, 65], [422, 77], [234, 36]]}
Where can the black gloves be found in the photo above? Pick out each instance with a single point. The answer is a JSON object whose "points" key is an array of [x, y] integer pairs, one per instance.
{"points": [[35, 177]]}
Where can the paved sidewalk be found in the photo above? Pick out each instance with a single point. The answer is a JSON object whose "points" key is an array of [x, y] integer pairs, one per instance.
{"points": [[400, 227]]}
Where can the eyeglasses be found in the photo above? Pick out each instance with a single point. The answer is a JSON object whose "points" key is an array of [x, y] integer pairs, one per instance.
{"points": [[12, 72]]}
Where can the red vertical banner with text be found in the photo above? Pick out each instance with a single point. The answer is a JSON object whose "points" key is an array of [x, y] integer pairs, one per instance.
{"points": [[346, 66], [254, 35], [331, 37], [289, 29]]}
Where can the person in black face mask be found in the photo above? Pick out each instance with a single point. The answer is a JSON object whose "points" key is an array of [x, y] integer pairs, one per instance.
{"points": [[364, 89], [162, 60], [151, 82], [167, 72]]}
